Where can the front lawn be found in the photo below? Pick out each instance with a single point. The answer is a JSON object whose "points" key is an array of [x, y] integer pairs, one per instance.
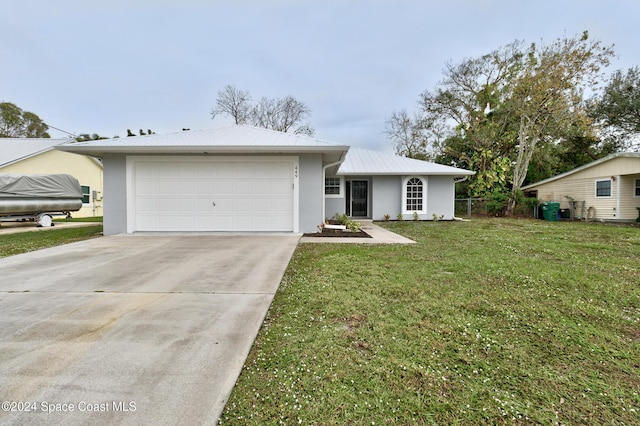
{"points": [[492, 321], [23, 242], [79, 219]]}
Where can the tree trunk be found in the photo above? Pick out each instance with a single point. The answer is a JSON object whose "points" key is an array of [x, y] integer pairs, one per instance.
{"points": [[526, 146], [511, 204]]}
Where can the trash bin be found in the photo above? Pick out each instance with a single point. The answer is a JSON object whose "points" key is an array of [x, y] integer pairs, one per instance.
{"points": [[550, 210]]}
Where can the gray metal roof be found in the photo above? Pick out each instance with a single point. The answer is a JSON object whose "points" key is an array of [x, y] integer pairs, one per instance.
{"points": [[366, 162], [221, 140], [17, 149], [583, 167]]}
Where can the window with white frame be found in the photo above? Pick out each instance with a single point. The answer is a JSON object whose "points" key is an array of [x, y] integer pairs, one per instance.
{"points": [[86, 194], [636, 188], [603, 188], [414, 195], [333, 186]]}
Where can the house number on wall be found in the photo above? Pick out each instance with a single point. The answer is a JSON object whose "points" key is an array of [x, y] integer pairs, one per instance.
{"points": [[295, 171]]}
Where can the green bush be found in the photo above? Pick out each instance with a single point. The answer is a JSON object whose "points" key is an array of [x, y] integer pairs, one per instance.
{"points": [[496, 204], [525, 205], [349, 223]]}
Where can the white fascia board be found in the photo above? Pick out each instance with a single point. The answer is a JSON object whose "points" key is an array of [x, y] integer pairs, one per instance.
{"points": [[408, 173], [198, 149]]}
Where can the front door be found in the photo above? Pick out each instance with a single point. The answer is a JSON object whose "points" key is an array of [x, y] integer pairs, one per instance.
{"points": [[358, 198]]}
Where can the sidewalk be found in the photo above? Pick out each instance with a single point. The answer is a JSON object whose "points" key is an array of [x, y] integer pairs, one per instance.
{"points": [[378, 236]]}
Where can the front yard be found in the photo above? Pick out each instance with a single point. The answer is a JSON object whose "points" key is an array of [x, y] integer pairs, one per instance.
{"points": [[491, 321], [23, 242]]}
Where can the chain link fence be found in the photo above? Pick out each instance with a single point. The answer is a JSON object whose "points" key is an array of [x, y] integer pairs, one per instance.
{"points": [[468, 207]]}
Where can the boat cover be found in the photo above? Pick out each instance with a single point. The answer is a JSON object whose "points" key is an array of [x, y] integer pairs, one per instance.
{"points": [[39, 186]]}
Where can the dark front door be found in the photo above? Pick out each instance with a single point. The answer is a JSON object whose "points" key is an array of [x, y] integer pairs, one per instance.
{"points": [[357, 198]]}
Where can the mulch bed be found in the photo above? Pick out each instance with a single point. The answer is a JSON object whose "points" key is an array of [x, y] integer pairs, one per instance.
{"points": [[338, 233]]}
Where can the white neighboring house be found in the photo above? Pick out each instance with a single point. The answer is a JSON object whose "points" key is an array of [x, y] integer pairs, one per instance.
{"points": [[25, 156], [243, 178]]}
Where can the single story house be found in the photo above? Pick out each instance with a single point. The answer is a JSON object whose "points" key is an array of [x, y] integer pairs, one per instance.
{"points": [[22, 156], [372, 185], [607, 189], [243, 178]]}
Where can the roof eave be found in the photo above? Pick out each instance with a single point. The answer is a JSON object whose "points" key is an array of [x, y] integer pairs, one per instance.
{"points": [[26, 157], [199, 149], [583, 167], [407, 173]]}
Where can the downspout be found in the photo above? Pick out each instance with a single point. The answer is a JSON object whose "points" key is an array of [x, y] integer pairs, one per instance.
{"points": [[454, 196], [618, 201], [324, 173]]}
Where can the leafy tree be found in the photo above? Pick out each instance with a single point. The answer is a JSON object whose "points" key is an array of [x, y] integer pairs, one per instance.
{"points": [[618, 109], [467, 108], [545, 97], [16, 123], [281, 114], [502, 108], [85, 137]]}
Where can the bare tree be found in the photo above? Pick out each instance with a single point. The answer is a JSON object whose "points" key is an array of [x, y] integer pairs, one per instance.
{"points": [[285, 114], [292, 114], [410, 135], [234, 102]]}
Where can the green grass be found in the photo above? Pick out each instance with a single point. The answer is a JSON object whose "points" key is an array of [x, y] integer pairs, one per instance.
{"points": [[80, 219], [23, 242], [483, 322]]}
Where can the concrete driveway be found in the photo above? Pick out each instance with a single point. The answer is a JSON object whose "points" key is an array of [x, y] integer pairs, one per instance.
{"points": [[133, 329]]}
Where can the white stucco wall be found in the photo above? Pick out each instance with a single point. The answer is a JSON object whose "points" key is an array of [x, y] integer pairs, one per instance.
{"points": [[440, 197], [115, 194], [311, 192], [386, 193]]}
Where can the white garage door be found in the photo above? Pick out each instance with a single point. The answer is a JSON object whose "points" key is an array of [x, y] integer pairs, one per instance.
{"points": [[221, 194]]}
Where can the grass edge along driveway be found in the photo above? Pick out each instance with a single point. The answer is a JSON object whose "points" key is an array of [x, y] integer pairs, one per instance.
{"points": [[22, 242], [493, 321]]}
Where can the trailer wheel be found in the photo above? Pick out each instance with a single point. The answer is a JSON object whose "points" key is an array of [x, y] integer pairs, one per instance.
{"points": [[45, 221]]}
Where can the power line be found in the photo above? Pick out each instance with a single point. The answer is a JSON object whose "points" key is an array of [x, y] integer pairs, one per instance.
{"points": [[60, 130]]}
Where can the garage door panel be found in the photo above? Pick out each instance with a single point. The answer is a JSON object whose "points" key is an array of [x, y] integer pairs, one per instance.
{"points": [[243, 186], [147, 186], [214, 195], [205, 186]]}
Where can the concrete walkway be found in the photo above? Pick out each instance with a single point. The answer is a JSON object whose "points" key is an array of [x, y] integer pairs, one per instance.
{"points": [[378, 236], [133, 329]]}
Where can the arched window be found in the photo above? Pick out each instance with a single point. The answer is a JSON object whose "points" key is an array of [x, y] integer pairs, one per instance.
{"points": [[414, 195]]}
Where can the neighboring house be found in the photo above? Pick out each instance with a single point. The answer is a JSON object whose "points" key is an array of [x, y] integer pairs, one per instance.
{"points": [[23, 156], [607, 189], [243, 178]]}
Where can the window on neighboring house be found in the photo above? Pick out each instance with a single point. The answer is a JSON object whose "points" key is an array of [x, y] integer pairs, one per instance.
{"points": [[332, 186], [603, 188], [414, 195], [86, 194], [637, 188]]}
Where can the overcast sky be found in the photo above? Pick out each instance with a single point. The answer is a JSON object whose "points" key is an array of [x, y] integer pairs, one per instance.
{"points": [[89, 66]]}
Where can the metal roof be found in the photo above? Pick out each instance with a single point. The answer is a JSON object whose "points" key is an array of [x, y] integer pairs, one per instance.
{"points": [[366, 162], [221, 140], [584, 167], [16, 149]]}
